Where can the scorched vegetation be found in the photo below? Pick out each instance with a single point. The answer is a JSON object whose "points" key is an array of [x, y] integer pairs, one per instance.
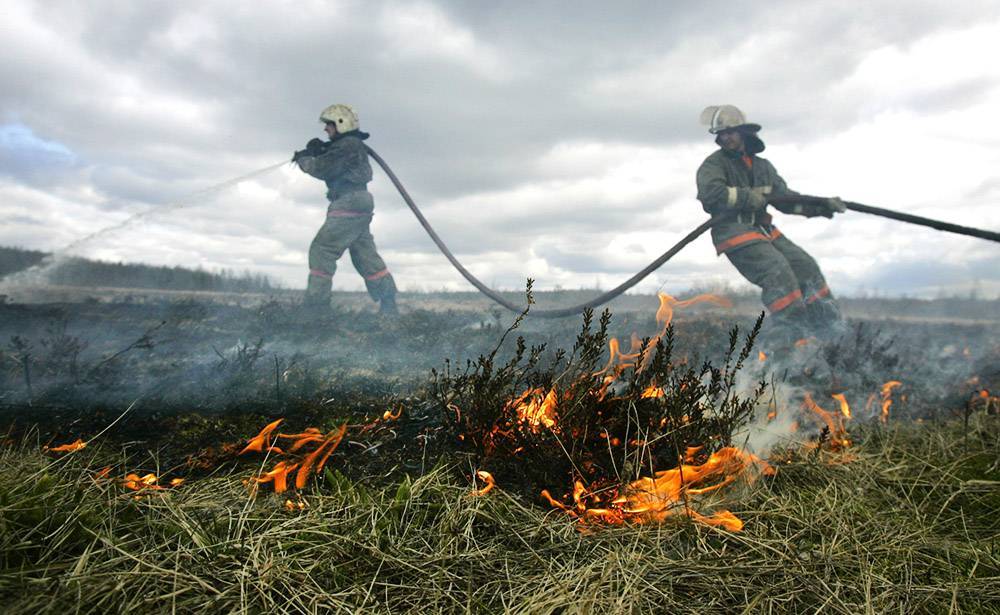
{"points": [[191, 457]]}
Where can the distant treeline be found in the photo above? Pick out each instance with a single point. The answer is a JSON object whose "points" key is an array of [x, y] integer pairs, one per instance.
{"points": [[83, 272]]}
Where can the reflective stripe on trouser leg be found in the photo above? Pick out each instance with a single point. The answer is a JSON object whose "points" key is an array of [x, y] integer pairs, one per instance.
{"points": [[822, 308], [787, 301], [372, 268], [763, 265], [819, 295], [805, 268]]}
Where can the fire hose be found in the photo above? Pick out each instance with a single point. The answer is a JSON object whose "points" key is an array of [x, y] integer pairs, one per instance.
{"points": [[663, 258], [894, 215]]}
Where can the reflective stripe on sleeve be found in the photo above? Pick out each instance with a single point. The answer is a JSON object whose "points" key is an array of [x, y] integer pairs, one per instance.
{"points": [[787, 300], [731, 195]]}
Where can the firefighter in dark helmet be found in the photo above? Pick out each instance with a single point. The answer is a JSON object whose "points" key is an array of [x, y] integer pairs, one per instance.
{"points": [[735, 178], [342, 163]]}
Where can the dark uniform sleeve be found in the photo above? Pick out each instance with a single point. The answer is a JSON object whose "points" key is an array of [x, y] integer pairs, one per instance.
{"points": [[344, 159], [714, 191], [779, 187]]}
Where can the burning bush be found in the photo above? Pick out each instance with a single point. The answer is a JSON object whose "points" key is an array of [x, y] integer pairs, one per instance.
{"points": [[605, 438]]}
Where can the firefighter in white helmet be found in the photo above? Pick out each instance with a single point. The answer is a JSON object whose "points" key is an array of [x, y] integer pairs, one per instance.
{"points": [[342, 163], [734, 177]]}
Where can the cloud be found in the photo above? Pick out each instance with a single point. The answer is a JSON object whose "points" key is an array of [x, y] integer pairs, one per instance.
{"points": [[557, 141], [423, 31]]}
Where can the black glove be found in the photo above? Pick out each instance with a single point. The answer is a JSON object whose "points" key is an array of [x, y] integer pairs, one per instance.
{"points": [[314, 148], [812, 210]]}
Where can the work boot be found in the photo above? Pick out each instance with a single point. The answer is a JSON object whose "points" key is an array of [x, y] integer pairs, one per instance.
{"points": [[387, 306], [783, 332], [314, 307], [826, 321]]}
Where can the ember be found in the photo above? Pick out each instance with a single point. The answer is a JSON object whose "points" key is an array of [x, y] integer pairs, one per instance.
{"points": [[148, 482], [984, 400], [297, 506]]}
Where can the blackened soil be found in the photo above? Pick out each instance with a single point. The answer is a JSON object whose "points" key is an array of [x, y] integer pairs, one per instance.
{"points": [[202, 378]]}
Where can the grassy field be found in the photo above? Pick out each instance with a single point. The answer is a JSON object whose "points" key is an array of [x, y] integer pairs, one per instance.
{"points": [[906, 522], [903, 520]]}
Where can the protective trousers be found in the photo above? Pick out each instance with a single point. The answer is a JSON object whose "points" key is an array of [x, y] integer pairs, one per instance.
{"points": [[346, 230], [792, 286]]}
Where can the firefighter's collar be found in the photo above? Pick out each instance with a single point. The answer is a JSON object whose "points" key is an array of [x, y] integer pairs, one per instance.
{"points": [[354, 133]]}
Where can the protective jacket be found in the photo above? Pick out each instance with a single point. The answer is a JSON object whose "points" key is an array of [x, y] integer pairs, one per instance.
{"points": [[725, 180], [343, 166]]}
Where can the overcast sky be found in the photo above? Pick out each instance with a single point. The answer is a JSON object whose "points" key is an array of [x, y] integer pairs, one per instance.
{"points": [[558, 142]]}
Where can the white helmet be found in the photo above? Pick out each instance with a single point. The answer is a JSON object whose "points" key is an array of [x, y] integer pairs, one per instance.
{"points": [[341, 116], [725, 117]]}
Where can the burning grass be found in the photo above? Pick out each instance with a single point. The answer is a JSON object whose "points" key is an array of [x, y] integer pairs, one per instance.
{"points": [[372, 509], [606, 441], [909, 527]]}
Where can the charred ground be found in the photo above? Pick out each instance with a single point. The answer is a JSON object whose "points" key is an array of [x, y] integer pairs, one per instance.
{"points": [[201, 378]]}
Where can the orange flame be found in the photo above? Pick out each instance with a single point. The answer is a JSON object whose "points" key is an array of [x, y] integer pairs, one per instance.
{"points": [[665, 313], [652, 392], [320, 454], [304, 467], [618, 361], [845, 408], [761, 356], [984, 400], [489, 483], [278, 475], [297, 505], [887, 389], [653, 499], [72, 447], [389, 416], [834, 423], [262, 441], [149, 482], [535, 410]]}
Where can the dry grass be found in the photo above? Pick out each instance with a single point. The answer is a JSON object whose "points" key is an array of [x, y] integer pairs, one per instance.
{"points": [[910, 526]]}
